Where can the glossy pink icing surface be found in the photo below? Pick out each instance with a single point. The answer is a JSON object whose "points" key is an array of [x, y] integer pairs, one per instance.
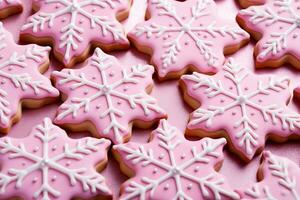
{"points": [[107, 95], [247, 112], [49, 165], [20, 77], [277, 22], [169, 166], [77, 24], [186, 33], [240, 175], [281, 178]]}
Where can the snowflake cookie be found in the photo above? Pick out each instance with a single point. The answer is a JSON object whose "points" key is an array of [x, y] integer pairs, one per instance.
{"points": [[10, 7], [244, 107], [276, 24], [279, 178], [247, 3], [73, 26], [106, 98], [20, 78], [185, 36], [49, 165], [171, 167]]}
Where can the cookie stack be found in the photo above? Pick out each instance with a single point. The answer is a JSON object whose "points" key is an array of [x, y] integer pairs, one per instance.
{"points": [[86, 60]]}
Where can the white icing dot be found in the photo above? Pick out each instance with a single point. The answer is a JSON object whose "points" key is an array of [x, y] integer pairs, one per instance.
{"points": [[53, 178], [189, 187], [196, 169], [161, 156], [182, 156], [68, 163], [54, 147], [36, 149], [34, 180], [166, 187], [155, 170]]}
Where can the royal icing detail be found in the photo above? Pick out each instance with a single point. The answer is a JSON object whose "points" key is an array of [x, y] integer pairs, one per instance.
{"points": [[186, 33], [247, 112], [278, 22], [77, 24], [6, 4], [49, 165], [281, 180], [171, 167], [20, 77], [107, 94]]}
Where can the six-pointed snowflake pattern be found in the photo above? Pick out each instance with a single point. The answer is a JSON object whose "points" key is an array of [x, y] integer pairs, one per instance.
{"points": [[248, 113], [281, 179], [49, 165], [108, 95], [9, 7], [278, 22], [186, 35], [19, 72], [171, 167], [77, 24]]}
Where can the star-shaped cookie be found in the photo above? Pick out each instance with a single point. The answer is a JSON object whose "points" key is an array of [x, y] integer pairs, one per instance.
{"points": [[21, 81], [187, 35], [171, 167], [48, 165], [276, 24], [106, 98], [279, 178], [10, 7], [243, 107], [73, 26]]}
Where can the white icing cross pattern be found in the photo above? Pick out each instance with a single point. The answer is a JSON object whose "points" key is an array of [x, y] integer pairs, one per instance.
{"points": [[107, 95], [284, 14], [19, 71], [73, 33], [179, 168], [182, 28], [30, 173], [247, 132], [281, 180]]}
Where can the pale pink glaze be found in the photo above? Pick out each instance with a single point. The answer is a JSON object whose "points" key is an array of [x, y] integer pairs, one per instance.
{"points": [[281, 180], [75, 24], [245, 105], [278, 24], [48, 164], [5, 4], [20, 77], [186, 33], [108, 95], [171, 167]]}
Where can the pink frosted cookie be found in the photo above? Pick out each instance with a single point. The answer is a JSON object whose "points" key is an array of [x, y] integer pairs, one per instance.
{"points": [[48, 165], [241, 106], [276, 25], [185, 36], [21, 81], [10, 7], [247, 3], [73, 26], [171, 167], [107, 98], [279, 178]]}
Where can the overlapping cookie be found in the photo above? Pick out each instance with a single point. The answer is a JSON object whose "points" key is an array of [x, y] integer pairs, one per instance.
{"points": [[247, 3], [10, 7], [74, 26], [171, 167], [244, 107], [21, 81], [107, 98], [186, 35], [47, 165], [276, 25], [279, 178]]}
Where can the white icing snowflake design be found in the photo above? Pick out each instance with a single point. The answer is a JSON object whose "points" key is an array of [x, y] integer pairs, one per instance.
{"points": [[281, 180], [171, 167], [48, 165], [278, 21], [19, 72], [115, 93], [83, 17], [254, 110], [171, 26]]}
